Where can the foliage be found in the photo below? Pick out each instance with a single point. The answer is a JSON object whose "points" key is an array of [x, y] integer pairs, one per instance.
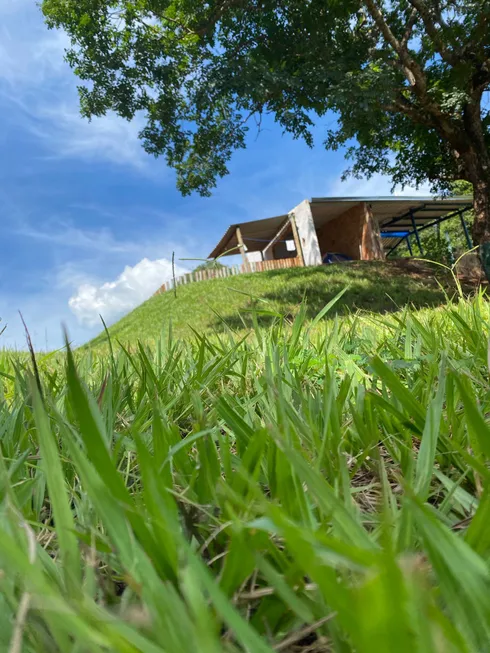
{"points": [[213, 264], [442, 243], [460, 188], [438, 244], [446, 241], [225, 304], [404, 78], [321, 486]]}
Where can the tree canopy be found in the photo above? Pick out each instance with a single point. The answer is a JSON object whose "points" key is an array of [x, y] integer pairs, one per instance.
{"points": [[406, 80], [210, 265]]}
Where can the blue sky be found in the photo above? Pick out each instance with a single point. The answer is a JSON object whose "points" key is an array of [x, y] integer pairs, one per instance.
{"points": [[89, 221]]}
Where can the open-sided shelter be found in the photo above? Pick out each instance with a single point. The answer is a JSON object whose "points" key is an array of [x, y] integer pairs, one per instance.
{"points": [[358, 228]]}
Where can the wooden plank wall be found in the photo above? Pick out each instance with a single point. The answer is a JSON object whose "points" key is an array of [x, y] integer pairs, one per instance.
{"points": [[223, 273]]}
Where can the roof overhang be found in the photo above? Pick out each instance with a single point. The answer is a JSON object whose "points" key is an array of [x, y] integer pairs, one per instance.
{"points": [[392, 213], [256, 235]]}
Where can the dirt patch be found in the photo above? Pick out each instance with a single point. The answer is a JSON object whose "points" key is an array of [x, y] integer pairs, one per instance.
{"points": [[468, 270]]}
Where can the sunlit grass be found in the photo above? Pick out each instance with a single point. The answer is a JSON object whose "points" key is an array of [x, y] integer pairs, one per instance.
{"points": [[311, 486], [222, 304]]}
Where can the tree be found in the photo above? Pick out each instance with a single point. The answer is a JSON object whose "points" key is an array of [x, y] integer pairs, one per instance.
{"points": [[210, 265], [406, 81]]}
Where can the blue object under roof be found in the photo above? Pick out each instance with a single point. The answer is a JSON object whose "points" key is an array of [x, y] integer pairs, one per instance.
{"points": [[394, 234]]}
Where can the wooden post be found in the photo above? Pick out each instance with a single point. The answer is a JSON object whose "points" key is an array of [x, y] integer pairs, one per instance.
{"points": [[371, 248], [241, 245], [297, 242]]}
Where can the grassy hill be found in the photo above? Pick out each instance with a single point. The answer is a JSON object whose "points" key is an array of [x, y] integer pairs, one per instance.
{"points": [[210, 305], [317, 490]]}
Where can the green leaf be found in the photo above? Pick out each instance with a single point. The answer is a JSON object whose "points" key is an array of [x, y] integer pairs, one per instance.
{"points": [[59, 498], [244, 633], [425, 461], [478, 429]]}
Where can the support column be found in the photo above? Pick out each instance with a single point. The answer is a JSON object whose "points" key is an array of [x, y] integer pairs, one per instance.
{"points": [[407, 238], [307, 234], [416, 232], [371, 247], [241, 245], [297, 242], [465, 229]]}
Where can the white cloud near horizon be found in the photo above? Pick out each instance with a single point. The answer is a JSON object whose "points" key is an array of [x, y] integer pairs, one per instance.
{"points": [[47, 308], [112, 299]]}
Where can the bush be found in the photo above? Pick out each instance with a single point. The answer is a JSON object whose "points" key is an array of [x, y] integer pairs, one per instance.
{"points": [[215, 264]]}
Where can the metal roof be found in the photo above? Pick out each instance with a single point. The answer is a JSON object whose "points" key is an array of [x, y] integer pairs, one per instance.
{"points": [[387, 198], [394, 213]]}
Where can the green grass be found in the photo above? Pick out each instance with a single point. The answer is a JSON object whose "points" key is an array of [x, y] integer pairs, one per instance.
{"points": [[320, 486], [210, 305]]}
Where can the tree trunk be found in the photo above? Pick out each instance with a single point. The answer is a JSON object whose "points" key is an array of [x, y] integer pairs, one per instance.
{"points": [[476, 159], [481, 224]]}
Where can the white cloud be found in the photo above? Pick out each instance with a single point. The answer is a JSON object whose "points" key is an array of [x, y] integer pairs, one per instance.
{"points": [[114, 298], [31, 57], [40, 87], [12, 6], [69, 136], [109, 138], [80, 261], [102, 249], [65, 234], [46, 305]]}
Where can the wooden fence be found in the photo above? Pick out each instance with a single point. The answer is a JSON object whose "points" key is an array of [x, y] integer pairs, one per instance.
{"points": [[231, 271]]}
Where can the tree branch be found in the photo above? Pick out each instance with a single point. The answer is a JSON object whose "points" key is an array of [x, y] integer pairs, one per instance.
{"points": [[440, 17], [383, 26], [429, 112], [413, 72], [433, 31], [409, 28], [402, 105], [218, 13], [432, 17], [439, 122]]}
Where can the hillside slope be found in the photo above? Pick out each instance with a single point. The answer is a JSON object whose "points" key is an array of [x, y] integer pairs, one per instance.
{"points": [[209, 305], [176, 499]]}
